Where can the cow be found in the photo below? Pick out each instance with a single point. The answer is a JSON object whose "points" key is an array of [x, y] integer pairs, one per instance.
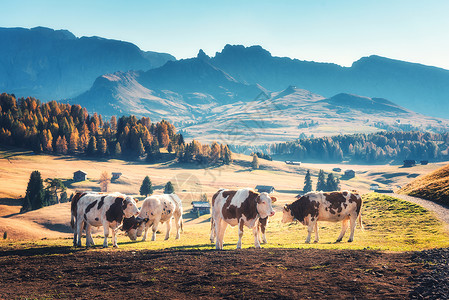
{"points": [[156, 209], [96, 209], [239, 207], [342, 206]]}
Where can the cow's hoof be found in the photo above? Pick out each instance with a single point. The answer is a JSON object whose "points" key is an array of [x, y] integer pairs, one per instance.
{"points": [[315, 242], [350, 241], [105, 246], [115, 246], [166, 239], [307, 242]]}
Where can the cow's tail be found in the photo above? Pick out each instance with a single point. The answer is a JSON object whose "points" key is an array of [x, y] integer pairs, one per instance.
{"points": [[182, 229], [359, 219], [74, 208]]}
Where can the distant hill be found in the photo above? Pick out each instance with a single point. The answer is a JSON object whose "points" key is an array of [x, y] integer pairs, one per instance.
{"points": [[55, 64], [414, 86], [434, 186], [180, 90]]}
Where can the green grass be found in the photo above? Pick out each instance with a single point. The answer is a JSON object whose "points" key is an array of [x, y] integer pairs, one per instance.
{"points": [[390, 224]]}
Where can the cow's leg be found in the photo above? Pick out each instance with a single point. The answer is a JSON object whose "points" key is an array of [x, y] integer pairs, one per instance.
{"points": [[353, 222], [344, 227], [220, 228], [167, 235], [114, 238], [75, 233], [212, 230], [155, 224], [316, 233], [178, 220], [147, 226], [89, 239], [256, 237], [239, 243], [309, 231], [106, 235], [79, 231], [263, 227]]}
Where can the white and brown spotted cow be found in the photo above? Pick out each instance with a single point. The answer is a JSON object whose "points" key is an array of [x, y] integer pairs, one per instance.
{"points": [[95, 209], [342, 206], [241, 207], [155, 209]]}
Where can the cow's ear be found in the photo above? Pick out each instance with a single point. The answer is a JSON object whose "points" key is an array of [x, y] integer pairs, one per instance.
{"points": [[273, 199], [258, 200]]}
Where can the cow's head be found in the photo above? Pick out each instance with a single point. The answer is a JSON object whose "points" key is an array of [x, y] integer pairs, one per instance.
{"points": [[264, 207], [132, 226], [129, 207], [287, 216]]}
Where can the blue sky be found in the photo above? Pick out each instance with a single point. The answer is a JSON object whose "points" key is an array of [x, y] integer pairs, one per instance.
{"points": [[339, 31]]}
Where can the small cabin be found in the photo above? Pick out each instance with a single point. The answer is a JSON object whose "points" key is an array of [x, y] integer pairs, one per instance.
{"points": [[115, 176], [409, 163], [290, 162], [265, 188], [79, 176], [336, 169], [374, 187], [201, 207], [424, 162], [349, 174]]}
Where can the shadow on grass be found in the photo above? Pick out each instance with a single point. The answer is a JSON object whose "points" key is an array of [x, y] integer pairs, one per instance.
{"points": [[38, 251]]}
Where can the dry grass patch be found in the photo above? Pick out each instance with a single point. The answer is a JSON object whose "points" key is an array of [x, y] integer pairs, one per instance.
{"points": [[433, 186]]}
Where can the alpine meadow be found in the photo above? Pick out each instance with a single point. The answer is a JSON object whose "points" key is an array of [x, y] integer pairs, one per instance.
{"points": [[224, 150]]}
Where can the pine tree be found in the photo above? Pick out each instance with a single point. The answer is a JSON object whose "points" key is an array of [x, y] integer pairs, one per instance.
{"points": [[146, 188], [321, 183], [92, 146], [169, 189], [227, 158], [102, 147], [170, 148], [331, 183], [54, 186], [255, 162], [118, 149], [140, 148], [34, 198], [307, 183]]}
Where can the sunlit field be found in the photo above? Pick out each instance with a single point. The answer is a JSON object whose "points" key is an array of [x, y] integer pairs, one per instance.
{"points": [[390, 224]]}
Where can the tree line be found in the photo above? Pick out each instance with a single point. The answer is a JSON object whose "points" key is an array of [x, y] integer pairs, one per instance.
{"points": [[60, 128], [381, 147]]}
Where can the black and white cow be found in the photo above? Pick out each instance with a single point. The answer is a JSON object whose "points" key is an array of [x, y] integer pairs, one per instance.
{"points": [[96, 209], [155, 209], [242, 207], [342, 206]]}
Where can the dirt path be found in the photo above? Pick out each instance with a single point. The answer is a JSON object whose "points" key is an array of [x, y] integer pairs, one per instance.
{"points": [[50, 273], [442, 212]]}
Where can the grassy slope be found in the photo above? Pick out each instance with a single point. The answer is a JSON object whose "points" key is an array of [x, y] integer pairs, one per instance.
{"points": [[390, 224], [433, 186]]}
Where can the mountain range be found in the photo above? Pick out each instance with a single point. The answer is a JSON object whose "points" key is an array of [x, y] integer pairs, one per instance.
{"points": [[54, 64], [239, 90]]}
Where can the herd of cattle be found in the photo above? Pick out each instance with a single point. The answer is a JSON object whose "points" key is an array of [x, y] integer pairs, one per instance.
{"points": [[243, 207]]}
